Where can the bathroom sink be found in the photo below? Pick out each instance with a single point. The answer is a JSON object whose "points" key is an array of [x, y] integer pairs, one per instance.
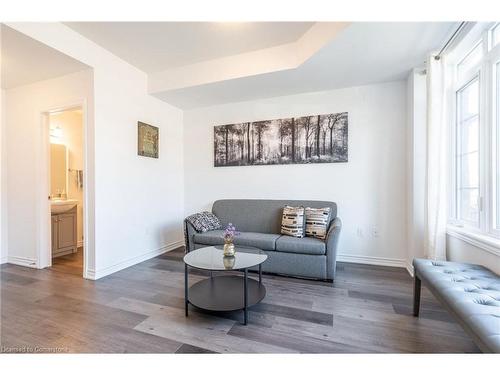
{"points": [[59, 206]]}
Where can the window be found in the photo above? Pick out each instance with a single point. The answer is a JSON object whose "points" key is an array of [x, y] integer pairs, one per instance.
{"points": [[467, 153], [475, 121], [470, 60], [495, 35], [497, 150]]}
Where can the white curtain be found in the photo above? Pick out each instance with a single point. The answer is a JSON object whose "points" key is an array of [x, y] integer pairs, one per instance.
{"points": [[436, 170]]}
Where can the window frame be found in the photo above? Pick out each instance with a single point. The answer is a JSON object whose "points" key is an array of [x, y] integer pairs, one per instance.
{"points": [[493, 112], [489, 132], [462, 85], [474, 68], [492, 36]]}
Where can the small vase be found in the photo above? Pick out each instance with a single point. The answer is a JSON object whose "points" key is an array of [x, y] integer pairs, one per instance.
{"points": [[228, 249], [228, 262]]}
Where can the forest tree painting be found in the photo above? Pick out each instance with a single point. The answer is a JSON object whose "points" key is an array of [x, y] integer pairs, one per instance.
{"points": [[302, 140]]}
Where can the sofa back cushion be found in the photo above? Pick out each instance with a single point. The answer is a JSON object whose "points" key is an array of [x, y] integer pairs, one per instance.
{"points": [[261, 215]]}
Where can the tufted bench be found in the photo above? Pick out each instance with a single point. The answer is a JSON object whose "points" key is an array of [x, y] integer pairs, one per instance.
{"points": [[471, 293]]}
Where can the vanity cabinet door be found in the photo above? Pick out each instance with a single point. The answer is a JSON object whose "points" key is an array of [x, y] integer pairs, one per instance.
{"points": [[66, 228], [55, 245]]}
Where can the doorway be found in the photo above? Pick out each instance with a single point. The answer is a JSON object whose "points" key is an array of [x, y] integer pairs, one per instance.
{"points": [[66, 248]]}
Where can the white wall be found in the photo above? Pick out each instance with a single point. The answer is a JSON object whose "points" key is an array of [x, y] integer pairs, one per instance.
{"points": [[3, 199], [417, 123], [370, 189], [138, 201], [459, 250], [3, 179], [24, 134]]}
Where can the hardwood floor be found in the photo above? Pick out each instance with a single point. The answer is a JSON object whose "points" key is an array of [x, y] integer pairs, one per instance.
{"points": [[141, 310], [71, 263]]}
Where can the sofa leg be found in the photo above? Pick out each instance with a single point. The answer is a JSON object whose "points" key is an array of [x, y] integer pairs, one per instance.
{"points": [[416, 296]]}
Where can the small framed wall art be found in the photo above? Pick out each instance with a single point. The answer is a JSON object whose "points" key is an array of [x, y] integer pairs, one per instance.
{"points": [[147, 140]]}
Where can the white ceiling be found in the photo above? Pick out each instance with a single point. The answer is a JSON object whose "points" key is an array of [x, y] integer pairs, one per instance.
{"points": [[25, 61], [336, 56], [156, 46], [361, 54]]}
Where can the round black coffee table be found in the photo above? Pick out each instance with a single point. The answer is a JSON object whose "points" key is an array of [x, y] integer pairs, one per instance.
{"points": [[225, 292]]}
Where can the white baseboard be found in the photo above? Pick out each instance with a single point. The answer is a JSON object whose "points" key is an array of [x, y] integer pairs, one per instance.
{"points": [[22, 261], [90, 274], [97, 274], [409, 268], [3, 260], [377, 261], [80, 243]]}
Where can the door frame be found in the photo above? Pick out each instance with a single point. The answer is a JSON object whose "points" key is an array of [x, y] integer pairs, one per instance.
{"points": [[44, 243]]}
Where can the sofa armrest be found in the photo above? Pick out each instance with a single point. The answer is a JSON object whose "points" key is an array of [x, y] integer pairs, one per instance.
{"points": [[332, 239], [189, 233]]}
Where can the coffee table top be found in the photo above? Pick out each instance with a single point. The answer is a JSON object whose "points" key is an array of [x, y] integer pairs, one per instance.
{"points": [[212, 258]]}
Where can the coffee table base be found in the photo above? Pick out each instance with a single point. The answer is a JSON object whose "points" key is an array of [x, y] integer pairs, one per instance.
{"points": [[225, 293]]}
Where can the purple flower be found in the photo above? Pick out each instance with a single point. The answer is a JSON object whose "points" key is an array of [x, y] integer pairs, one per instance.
{"points": [[230, 232]]}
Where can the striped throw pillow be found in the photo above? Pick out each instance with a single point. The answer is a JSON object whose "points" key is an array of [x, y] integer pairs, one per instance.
{"points": [[292, 221], [317, 220]]}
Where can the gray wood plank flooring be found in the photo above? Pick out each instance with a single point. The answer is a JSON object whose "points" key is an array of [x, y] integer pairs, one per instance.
{"points": [[141, 310]]}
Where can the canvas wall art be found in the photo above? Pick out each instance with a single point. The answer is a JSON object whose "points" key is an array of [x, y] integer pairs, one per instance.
{"points": [[298, 140], [147, 140]]}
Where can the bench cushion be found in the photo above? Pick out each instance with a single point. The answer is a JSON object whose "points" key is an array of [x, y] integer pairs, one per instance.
{"points": [[305, 245], [263, 241], [471, 292]]}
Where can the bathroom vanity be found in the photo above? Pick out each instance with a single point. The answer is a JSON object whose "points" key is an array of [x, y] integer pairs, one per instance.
{"points": [[64, 232], [64, 211]]}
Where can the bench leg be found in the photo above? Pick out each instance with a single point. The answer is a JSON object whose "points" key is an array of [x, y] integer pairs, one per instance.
{"points": [[416, 296]]}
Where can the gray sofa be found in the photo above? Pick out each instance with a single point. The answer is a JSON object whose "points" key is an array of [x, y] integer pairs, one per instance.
{"points": [[259, 222], [471, 293]]}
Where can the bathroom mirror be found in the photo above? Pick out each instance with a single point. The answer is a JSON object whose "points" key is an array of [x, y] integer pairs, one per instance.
{"points": [[58, 170]]}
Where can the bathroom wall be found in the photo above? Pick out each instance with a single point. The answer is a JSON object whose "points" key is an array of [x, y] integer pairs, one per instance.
{"points": [[71, 125]]}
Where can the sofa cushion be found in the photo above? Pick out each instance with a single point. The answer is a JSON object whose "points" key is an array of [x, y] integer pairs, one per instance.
{"points": [[305, 245], [212, 237], [292, 221], [263, 241], [261, 215]]}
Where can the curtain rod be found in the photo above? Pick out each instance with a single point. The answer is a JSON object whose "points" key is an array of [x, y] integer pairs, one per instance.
{"points": [[452, 38]]}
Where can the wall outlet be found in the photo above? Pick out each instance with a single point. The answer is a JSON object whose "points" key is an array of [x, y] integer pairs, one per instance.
{"points": [[375, 231]]}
